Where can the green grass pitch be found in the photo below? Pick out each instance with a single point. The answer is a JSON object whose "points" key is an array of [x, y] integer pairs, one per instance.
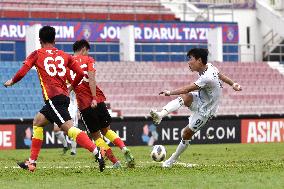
{"points": [[218, 166]]}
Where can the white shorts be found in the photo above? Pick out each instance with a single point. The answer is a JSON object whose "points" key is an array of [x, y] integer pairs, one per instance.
{"points": [[195, 102], [196, 121]]}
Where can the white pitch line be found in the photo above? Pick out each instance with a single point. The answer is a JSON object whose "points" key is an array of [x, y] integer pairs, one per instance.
{"points": [[189, 165], [68, 167], [140, 164], [59, 167]]}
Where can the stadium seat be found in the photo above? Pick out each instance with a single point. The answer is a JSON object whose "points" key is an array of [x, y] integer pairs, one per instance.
{"points": [[133, 87], [142, 81], [88, 9]]}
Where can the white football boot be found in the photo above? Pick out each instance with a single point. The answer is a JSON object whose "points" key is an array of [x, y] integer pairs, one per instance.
{"points": [[169, 162], [156, 117]]}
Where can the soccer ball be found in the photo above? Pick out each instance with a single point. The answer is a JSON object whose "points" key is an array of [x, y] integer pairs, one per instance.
{"points": [[158, 153]]}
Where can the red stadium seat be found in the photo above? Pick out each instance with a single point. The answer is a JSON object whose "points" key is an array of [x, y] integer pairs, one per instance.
{"points": [[141, 83], [88, 9]]}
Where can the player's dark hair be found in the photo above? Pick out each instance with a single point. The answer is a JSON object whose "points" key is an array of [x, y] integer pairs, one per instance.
{"points": [[47, 34], [199, 53], [80, 44]]}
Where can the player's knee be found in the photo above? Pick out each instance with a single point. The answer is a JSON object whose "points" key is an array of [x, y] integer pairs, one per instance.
{"points": [[36, 121], [104, 130], [56, 128], [39, 120], [187, 134], [66, 126], [96, 135], [187, 99]]}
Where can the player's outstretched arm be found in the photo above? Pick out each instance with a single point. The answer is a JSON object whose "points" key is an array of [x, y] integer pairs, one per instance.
{"points": [[28, 64], [226, 79], [18, 76], [182, 90]]}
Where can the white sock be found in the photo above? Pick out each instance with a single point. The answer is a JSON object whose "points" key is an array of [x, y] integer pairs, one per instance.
{"points": [[95, 151], [172, 106], [73, 146], [32, 161], [124, 149], [61, 137], [180, 149]]}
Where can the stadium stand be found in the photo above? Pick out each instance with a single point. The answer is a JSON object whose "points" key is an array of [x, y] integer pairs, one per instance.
{"points": [[132, 88], [86, 9], [109, 51], [23, 100], [137, 86], [236, 4]]}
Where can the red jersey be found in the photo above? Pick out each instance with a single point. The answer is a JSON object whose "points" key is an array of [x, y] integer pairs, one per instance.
{"points": [[83, 92], [51, 65]]}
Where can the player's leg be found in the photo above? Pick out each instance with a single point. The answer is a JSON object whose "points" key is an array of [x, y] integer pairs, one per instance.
{"points": [[113, 137], [73, 143], [60, 114], [74, 113], [184, 143], [38, 123], [61, 137], [83, 140], [93, 123], [196, 121], [174, 105], [105, 120], [116, 140], [99, 141], [73, 148]]}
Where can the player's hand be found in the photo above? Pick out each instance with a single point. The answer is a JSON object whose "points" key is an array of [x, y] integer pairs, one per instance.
{"points": [[9, 83], [165, 92], [237, 87], [94, 103]]}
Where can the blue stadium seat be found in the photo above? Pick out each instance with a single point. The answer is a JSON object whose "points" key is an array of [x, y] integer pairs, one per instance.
{"points": [[23, 100], [3, 113], [7, 106]]}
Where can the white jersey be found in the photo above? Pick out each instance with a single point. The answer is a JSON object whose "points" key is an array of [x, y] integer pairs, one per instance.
{"points": [[210, 91], [73, 107]]}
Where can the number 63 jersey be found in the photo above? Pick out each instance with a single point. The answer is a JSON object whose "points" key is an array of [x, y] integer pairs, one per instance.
{"points": [[51, 65]]}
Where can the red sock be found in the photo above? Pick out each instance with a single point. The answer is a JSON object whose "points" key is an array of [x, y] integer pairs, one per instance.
{"points": [[35, 148], [83, 140], [118, 142], [110, 156]]}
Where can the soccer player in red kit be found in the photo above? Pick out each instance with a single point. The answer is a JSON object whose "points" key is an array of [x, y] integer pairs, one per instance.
{"points": [[90, 99], [52, 65]]}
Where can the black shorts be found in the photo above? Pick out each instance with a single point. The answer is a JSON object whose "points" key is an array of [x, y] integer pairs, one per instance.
{"points": [[97, 118], [56, 109]]}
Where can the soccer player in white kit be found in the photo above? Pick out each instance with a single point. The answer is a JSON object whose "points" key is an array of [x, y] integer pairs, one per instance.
{"points": [[74, 113], [203, 103], [73, 110]]}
